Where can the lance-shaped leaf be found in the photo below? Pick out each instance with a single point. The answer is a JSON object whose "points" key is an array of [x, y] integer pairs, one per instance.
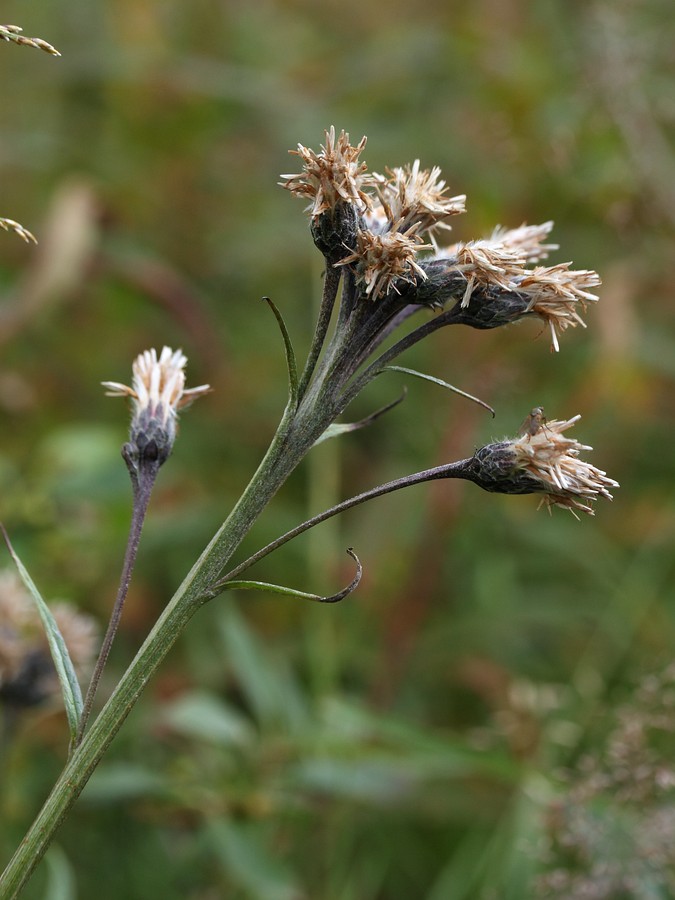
{"points": [[440, 382], [291, 592], [70, 687]]}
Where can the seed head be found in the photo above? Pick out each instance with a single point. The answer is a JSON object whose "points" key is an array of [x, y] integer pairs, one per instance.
{"points": [[542, 461], [556, 294], [332, 175], [13, 33], [17, 227], [413, 196], [382, 260], [488, 263], [527, 239], [552, 459]]}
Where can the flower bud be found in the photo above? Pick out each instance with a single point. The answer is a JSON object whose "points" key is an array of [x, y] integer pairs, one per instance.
{"points": [[158, 392]]}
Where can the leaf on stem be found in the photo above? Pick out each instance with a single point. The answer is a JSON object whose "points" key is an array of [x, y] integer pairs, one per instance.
{"points": [[70, 687], [337, 428], [301, 595], [290, 354], [440, 382]]}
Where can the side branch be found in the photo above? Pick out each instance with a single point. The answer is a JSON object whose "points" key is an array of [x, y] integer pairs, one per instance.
{"points": [[461, 469]]}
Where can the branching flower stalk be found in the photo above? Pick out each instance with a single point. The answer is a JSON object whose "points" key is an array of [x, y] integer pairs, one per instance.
{"points": [[384, 268]]}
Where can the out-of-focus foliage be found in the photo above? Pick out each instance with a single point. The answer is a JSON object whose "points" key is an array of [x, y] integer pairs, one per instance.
{"points": [[409, 741]]}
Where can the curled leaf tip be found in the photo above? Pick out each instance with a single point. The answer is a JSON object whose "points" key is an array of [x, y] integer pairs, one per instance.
{"points": [[351, 587]]}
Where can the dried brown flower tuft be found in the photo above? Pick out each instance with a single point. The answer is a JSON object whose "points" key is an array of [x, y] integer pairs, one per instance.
{"points": [[552, 459], [527, 239], [557, 292], [331, 176], [488, 263], [413, 196], [382, 260]]}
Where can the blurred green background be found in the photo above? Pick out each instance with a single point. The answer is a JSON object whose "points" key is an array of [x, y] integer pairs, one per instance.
{"points": [[419, 739]]}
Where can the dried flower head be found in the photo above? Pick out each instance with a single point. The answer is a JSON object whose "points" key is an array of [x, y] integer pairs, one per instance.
{"points": [[552, 460], [17, 227], [556, 294], [541, 460], [13, 33], [158, 392], [488, 263], [382, 260], [331, 176], [527, 240], [27, 674], [413, 196], [553, 293]]}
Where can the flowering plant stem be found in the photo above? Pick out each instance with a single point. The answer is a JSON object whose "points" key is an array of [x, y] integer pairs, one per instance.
{"points": [[486, 284], [282, 456]]}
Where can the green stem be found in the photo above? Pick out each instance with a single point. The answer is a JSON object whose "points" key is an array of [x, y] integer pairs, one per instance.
{"points": [[86, 757], [289, 445]]}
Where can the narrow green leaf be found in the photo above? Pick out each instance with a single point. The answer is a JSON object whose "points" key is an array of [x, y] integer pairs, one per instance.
{"points": [[440, 382], [302, 595], [70, 687], [273, 589], [290, 354]]}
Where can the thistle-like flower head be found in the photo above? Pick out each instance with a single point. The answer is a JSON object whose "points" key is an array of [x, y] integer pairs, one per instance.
{"points": [[332, 175], [542, 460], [383, 260], [158, 392], [412, 196], [553, 459], [556, 294]]}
